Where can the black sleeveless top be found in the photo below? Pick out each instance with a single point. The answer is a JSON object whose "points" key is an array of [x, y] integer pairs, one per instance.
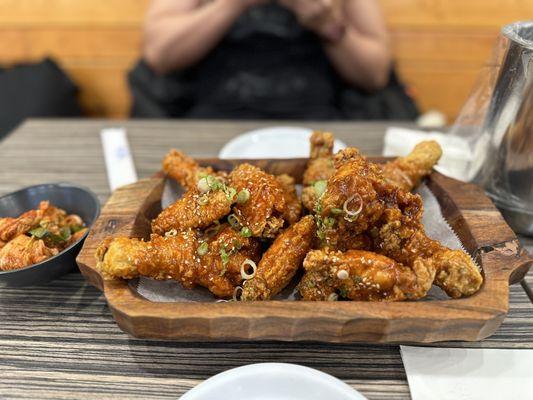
{"points": [[267, 66]]}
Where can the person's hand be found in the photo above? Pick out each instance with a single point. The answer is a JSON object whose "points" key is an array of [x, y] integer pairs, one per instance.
{"points": [[324, 17]]}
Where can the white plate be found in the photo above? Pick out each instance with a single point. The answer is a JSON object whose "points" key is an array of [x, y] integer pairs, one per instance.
{"points": [[272, 381], [275, 142]]}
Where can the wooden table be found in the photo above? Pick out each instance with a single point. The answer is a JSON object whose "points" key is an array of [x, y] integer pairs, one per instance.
{"points": [[60, 340]]}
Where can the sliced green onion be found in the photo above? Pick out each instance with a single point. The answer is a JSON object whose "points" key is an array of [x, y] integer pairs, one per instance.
{"points": [[214, 183], [333, 297], [203, 185], [320, 187], [230, 193], [245, 275], [233, 221], [224, 256], [246, 232], [202, 249], [203, 200], [329, 222], [343, 293], [351, 215], [236, 294], [336, 211], [243, 196]]}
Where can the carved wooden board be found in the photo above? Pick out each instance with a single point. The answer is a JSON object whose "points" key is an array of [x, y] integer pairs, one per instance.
{"points": [[471, 214]]}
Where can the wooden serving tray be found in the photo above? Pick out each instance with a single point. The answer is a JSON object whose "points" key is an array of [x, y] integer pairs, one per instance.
{"points": [[471, 214]]}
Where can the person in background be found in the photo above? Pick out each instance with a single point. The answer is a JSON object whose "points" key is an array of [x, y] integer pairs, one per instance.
{"points": [[261, 59]]}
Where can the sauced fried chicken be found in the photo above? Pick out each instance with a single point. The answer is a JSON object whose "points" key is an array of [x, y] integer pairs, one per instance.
{"points": [[358, 201], [363, 275], [293, 209], [364, 239], [456, 273], [407, 172], [185, 170], [320, 165], [268, 204], [194, 210], [281, 261], [319, 168], [214, 263]]}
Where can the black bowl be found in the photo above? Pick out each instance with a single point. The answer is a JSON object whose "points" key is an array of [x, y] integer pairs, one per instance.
{"points": [[71, 198]]}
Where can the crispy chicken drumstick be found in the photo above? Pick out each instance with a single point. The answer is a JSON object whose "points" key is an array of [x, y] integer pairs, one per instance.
{"points": [[363, 275], [214, 263]]}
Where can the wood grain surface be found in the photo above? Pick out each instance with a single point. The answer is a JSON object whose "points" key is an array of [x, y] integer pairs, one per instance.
{"points": [[60, 340]]}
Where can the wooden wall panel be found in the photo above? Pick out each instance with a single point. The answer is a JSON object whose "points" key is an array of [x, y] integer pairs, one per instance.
{"points": [[439, 45], [87, 13]]}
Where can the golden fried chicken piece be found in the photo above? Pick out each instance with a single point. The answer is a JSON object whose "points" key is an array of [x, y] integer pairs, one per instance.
{"points": [[358, 201], [320, 165], [281, 261], [319, 168], [184, 257], [407, 172], [363, 275], [332, 238], [294, 206], [184, 169], [195, 210], [266, 207], [309, 198], [22, 251], [456, 272], [351, 202]]}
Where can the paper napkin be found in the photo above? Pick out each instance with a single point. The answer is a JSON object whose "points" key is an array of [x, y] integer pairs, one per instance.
{"points": [[118, 160], [468, 374]]}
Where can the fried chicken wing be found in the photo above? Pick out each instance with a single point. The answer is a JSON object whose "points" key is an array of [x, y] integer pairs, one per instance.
{"points": [[358, 201], [363, 275], [184, 169], [22, 251], [351, 202], [320, 166], [293, 210], [281, 261], [456, 272], [184, 257], [266, 206], [407, 172], [195, 210]]}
